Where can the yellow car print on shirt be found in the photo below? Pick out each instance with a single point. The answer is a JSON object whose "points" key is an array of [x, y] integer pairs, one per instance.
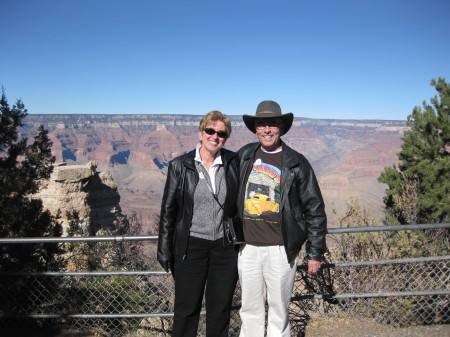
{"points": [[260, 203]]}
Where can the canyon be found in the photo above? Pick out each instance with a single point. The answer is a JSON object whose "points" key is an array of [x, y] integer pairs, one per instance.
{"points": [[347, 155]]}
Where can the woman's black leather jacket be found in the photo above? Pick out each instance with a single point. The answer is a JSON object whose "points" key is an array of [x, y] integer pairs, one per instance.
{"points": [[302, 209], [177, 203]]}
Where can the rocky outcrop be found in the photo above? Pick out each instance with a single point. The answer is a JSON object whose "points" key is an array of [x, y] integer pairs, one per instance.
{"points": [[80, 188]]}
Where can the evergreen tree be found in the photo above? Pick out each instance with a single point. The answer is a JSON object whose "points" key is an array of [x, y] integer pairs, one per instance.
{"points": [[22, 164], [419, 185]]}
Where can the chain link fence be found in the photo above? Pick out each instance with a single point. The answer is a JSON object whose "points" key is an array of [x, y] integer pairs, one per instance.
{"points": [[123, 302]]}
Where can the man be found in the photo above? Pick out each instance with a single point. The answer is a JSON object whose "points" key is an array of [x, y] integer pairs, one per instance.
{"points": [[281, 208]]}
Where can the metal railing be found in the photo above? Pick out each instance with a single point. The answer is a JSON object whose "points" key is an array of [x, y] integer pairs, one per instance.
{"points": [[129, 303]]}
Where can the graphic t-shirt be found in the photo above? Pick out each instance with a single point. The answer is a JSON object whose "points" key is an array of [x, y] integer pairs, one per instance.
{"points": [[262, 221]]}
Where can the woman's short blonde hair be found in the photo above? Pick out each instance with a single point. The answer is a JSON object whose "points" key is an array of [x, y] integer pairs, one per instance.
{"points": [[215, 116]]}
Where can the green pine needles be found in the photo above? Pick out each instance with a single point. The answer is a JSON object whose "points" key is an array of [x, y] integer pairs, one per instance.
{"points": [[419, 185]]}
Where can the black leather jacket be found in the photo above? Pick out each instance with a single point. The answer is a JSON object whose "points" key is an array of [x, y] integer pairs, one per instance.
{"points": [[177, 203], [303, 217]]}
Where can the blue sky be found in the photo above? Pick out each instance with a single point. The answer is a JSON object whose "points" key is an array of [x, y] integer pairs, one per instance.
{"points": [[347, 59]]}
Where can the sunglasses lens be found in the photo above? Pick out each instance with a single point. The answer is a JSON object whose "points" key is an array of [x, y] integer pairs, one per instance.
{"points": [[221, 134]]}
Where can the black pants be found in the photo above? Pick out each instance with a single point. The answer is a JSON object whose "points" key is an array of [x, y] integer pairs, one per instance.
{"points": [[206, 263]]}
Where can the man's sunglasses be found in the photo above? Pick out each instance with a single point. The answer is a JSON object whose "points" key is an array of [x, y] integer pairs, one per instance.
{"points": [[221, 134]]}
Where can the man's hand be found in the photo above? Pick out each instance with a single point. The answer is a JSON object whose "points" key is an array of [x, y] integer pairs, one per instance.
{"points": [[313, 266]]}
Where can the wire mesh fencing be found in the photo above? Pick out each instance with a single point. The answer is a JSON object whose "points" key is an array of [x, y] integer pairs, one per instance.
{"points": [[116, 299], [399, 292]]}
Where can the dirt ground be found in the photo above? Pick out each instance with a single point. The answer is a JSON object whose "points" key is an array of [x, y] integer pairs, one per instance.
{"points": [[325, 328], [369, 328]]}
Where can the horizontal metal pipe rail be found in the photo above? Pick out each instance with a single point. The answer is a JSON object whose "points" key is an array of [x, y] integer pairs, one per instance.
{"points": [[60, 239], [380, 262], [123, 238], [157, 272], [368, 295], [87, 316], [387, 228], [81, 273], [236, 307]]}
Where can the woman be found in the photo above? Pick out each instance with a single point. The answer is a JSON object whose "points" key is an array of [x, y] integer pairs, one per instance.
{"points": [[200, 191]]}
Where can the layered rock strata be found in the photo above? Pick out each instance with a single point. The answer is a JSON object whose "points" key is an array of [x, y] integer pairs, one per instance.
{"points": [[80, 188]]}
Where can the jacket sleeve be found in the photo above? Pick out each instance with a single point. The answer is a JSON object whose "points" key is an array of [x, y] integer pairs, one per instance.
{"points": [[168, 217], [314, 212]]}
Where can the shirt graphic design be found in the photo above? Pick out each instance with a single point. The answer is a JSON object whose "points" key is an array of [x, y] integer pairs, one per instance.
{"points": [[263, 191]]}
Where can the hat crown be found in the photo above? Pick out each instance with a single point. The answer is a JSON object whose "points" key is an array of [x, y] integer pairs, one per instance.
{"points": [[268, 108]]}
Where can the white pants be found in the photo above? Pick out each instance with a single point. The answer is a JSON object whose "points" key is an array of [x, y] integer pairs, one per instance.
{"points": [[265, 274]]}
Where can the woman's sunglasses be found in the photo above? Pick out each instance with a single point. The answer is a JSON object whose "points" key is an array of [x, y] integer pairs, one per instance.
{"points": [[221, 134]]}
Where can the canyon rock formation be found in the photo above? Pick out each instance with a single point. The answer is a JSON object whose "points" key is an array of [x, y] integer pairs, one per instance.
{"points": [[347, 155], [80, 188]]}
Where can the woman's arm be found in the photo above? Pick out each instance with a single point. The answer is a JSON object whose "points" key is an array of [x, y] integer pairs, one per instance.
{"points": [[168, 216]]}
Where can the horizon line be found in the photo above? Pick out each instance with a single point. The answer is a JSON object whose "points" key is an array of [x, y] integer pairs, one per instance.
{"points": [[201, 115]]}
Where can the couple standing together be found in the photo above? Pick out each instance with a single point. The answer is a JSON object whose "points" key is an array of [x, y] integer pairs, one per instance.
{"points": [[273, 192]]}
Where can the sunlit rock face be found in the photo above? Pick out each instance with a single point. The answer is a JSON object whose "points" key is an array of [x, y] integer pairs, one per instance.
{"points": [[347, 155], [80, 188]]}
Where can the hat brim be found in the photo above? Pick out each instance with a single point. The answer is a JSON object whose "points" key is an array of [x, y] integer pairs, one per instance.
{"points": [[287, 119]]}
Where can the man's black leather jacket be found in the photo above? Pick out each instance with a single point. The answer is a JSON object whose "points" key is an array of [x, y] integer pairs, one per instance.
{"points": [[302, 209], [177, 203]]}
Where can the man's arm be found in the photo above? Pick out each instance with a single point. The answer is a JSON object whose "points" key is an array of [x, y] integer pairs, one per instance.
{"points": [[316, 220]]}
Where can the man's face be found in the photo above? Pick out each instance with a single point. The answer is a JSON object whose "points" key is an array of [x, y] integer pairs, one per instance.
{"points": [[269, 131]]}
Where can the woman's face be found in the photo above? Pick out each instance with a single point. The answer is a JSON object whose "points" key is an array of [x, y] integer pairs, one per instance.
{"points": [[213, 143]]}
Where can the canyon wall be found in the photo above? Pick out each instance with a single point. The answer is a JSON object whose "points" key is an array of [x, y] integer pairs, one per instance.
{"points": [[347, 155]]}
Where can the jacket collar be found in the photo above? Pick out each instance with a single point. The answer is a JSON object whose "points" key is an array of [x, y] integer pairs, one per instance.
{"points": [[189, 159], [290, 158]]}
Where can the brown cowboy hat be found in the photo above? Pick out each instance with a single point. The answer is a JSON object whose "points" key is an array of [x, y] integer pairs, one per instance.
{"points": [[269, 109]]}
